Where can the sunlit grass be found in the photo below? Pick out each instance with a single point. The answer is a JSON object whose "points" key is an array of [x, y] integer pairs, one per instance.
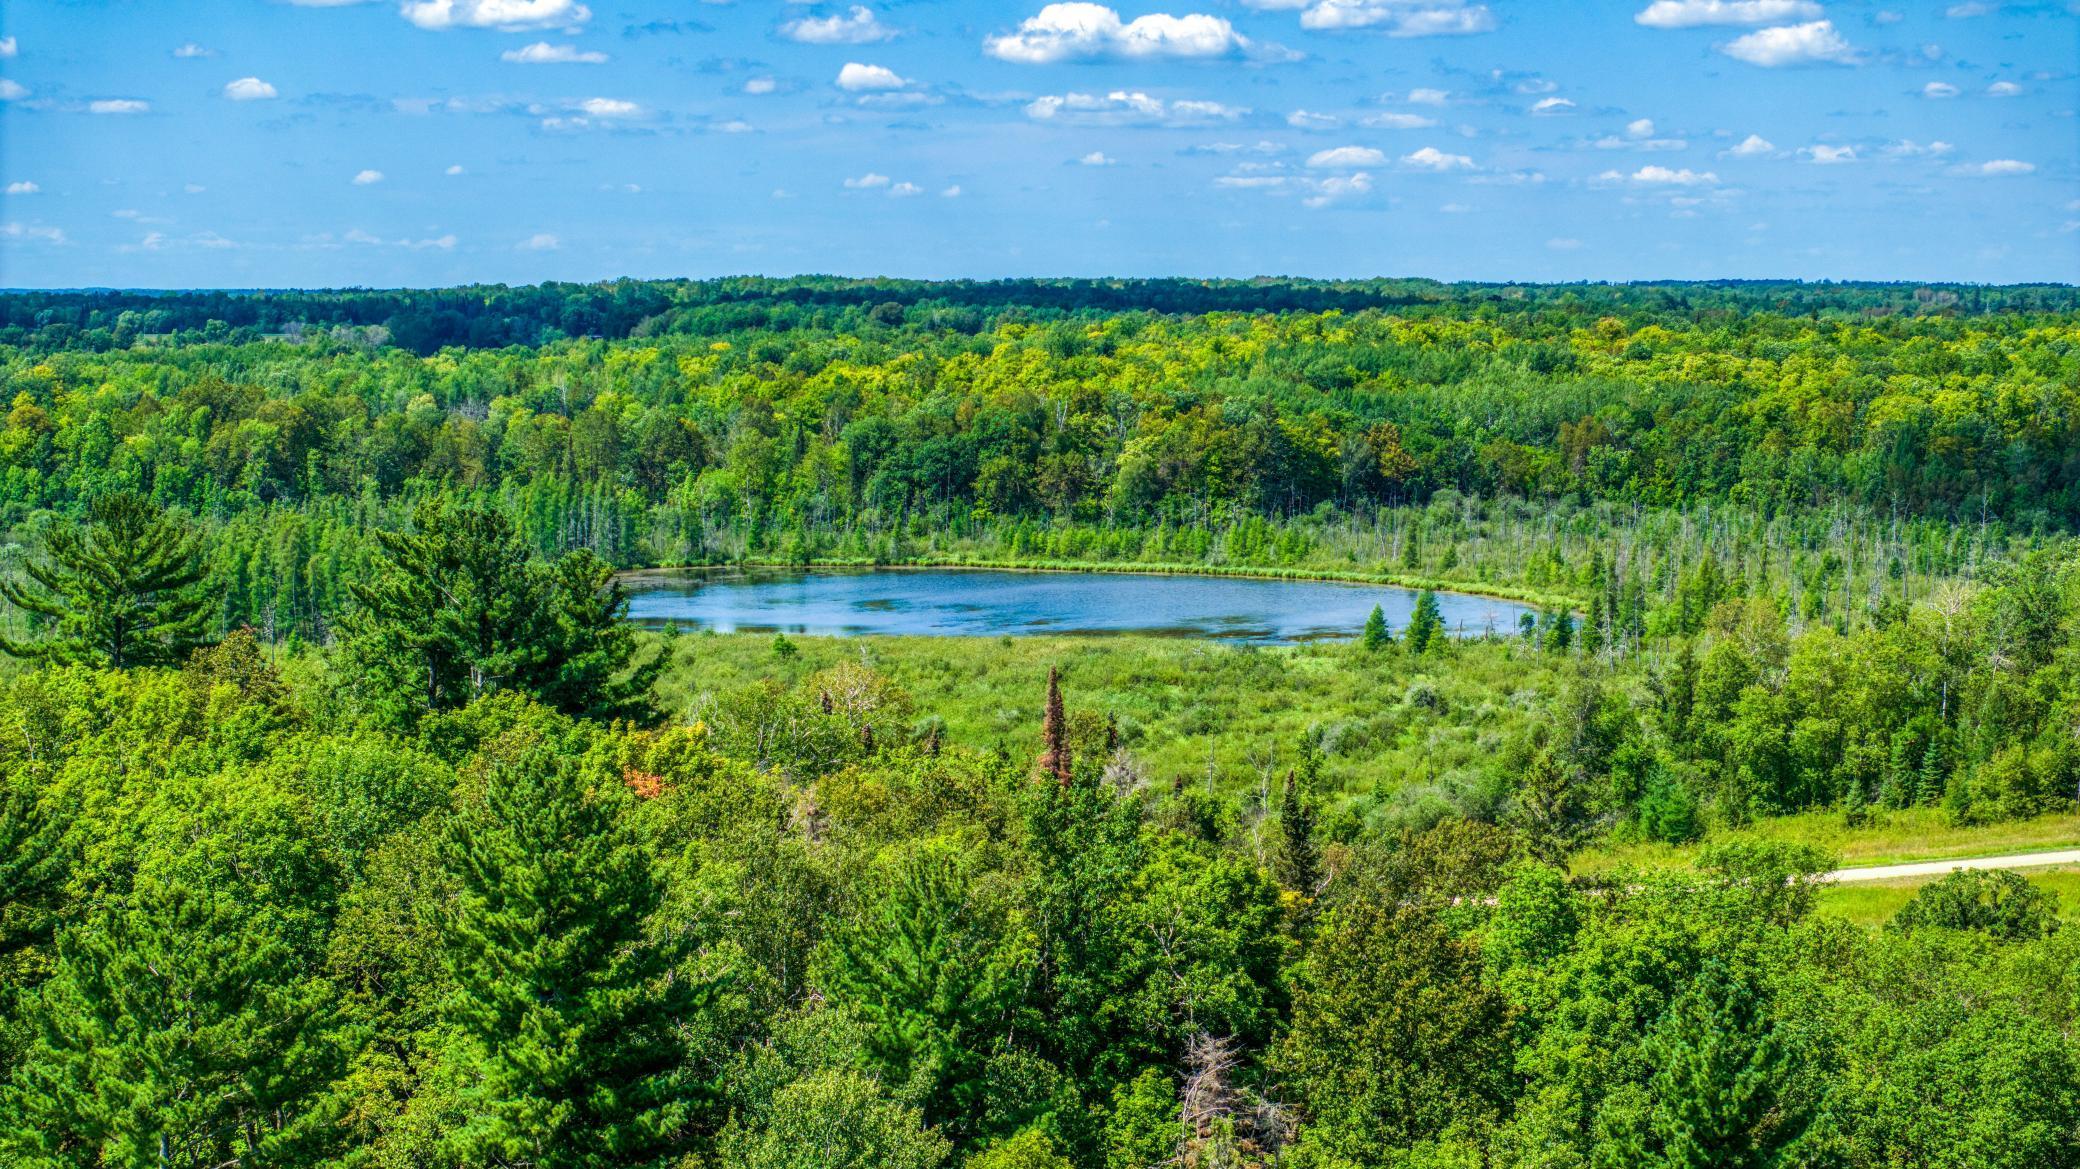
{"points": [[1915, 834], [1874, 903]]}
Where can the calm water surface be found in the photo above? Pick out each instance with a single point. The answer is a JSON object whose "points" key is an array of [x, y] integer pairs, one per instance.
{"points": [[986, 602]]}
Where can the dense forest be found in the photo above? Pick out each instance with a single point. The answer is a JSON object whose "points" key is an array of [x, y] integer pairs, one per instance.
{"points": [[345, 819]]}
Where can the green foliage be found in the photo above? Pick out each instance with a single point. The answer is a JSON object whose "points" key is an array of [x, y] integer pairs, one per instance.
{"points": [[834, 1120], [1425, 626], [122, 589], [1375, 636], [565, 1008], [1991, 901]]}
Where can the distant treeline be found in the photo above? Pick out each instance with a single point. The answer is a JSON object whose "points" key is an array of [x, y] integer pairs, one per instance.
{"points": [[496, 315]]}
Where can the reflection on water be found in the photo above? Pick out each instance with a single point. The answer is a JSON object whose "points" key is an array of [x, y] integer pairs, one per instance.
{"points": [[987, 602]]}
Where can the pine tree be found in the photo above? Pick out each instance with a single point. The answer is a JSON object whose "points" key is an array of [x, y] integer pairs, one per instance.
{"points": [[1375, 638], [124, 589], [1299, 867], [1054, 732], [1425, 625], [565, 1008], [176, 1030]]}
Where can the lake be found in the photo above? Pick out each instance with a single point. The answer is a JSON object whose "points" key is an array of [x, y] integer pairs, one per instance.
{"points": [[992, 602]]}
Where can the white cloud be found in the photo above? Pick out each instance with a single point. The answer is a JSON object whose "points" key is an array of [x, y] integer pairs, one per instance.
{"points": [[1309, 120], [1400, 18], [1967, 10], [1661, 176], [544, 53], [1696, 13], [368, 178], [867, 182], [1127, 107], [1550, 106], [249, 89], [2003, 89], [760, 86], [858, 78], [904, 190], [1828, 155], [454, 170], [1791, 44], [194, 188], [1997, 168], [11, 90], [23, 187], [1431, 158], [1080, 31], [1939, 89], [1640, 128], [505, 15], [1563, 244], [735, 126], [540, 241], [1346, 158], [8, 47], [953, 192], [1428, 97], [50, 235], [609, 107], [119, 106], [1753, 146], [857, 27], [1097, 158], [1327, 191], [1908, 148], [190, 51], [1393, 121]]}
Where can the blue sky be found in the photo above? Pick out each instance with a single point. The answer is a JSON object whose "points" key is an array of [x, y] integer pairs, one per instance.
{"points": [[249, 143]]}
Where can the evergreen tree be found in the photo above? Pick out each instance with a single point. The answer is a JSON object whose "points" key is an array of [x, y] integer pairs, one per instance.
{"points": [[566, 1010], [459, 607], [1548, 810], [124, 589], [1375, 638], [176, 1029], [1426, 625], [1299, 866]]}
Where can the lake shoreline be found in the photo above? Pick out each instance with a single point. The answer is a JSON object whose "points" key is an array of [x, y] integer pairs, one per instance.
{"points": [[1523, 596]]}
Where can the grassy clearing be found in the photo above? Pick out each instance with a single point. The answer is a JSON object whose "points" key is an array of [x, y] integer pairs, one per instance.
{"points": [[1917, 834], [1874, 903], [1229, 716]]}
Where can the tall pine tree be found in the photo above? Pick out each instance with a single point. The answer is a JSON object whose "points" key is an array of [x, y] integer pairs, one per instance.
{"points": [[567, 1011], [124, 589]]}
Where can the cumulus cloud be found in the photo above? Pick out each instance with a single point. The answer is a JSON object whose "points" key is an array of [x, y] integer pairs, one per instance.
{"points": [[1697, 13], [249, 89], [1314, 191], [505, 15], [1394, 121], [904, 190], [12, 90], [858, 78], [952, 192], [1908, 148], [2003, 89], [540, 241], [1550, 106], [1346, 158], [49, 235], [23, 187], [1753, 146], [868, 182], [544, 53], [1811, 43], [1661, 176], [609, 107], [368, 178], [1428, 97], [1431, 158], [1309, 120], [1939, 89], [761, 86], [454, 170], [191, 51], [858, 27], [7, 47], [1122, 107], [1828, 155], [1097, 158], [122, 105], [1400, 18], [1997, 168], [1082, 31]]}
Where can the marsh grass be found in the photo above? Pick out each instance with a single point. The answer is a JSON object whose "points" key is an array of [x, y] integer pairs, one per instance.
{"points": [[1891, 837]]}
